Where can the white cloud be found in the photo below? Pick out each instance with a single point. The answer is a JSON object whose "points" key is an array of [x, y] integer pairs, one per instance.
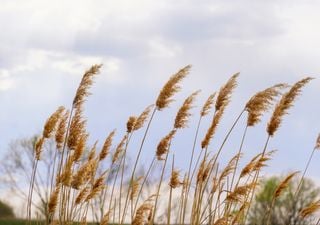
{"points": [[6, 82]]}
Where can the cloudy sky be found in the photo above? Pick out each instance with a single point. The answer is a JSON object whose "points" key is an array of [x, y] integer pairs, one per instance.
{"points": [[45, 46]]}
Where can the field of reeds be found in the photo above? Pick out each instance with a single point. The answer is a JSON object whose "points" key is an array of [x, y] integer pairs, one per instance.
{"points": [[88, 183]]}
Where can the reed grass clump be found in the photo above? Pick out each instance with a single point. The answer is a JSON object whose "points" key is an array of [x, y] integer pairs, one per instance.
{"points": [[98, 183]]}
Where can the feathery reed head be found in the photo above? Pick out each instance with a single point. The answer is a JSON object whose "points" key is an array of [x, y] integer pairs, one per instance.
{"points": [[82, 195], [174, 179], [85, 84], [105, 219], [142, 213], [285, 103], [142, 118], [97, 186], [38, 147], [310, 209], [51, 124], [53, 201], [61, 130], [183, 113], [163, 146], [131, 123], [207, 105], [171, 87], [119, 150], [261, 102], [134, 187], [230, 167], [80, 147], [106, 146], [212, 129], [283, 184], [225, 92], [77, 129], [317, 146]]}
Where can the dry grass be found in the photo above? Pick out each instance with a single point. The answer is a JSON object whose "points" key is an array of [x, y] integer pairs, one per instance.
{"points": [[210, 193]]}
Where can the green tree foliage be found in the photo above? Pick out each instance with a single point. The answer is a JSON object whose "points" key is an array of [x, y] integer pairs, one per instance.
{"points": [[287, 207], [5, 211]]}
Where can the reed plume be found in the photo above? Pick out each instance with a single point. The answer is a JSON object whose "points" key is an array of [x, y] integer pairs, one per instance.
{"points": [[170, 88], [85, 84], [163, 146], [105, 218], [82, 195], [284, 184], [310, 209], [208, 105], [225, 92], [131, 123], [183, 113], [61, 130], [97, 186], [142, 118], [174, 179], [142, 214], [284, 104], [77, 128], [106, 146], [119, 150], [317, 146], [52, 122], [53, 201], [134, 187], [261, 102], [38, 148], [212, 129]]}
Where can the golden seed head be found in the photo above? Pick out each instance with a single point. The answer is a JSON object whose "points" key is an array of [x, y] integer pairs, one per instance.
{"points": [[131, 123], [106, 146], [77, 128], [284, 104], [183, 113], [212, 129], [284, 184], [119, 150], [310, 209], [85, 84], [53, 201], [261, 102], [142, 118], [80, 147], [82, 195], [105, 219], [225, 92], [208, 105], [142, 213], [61, 131], [134, 186], [174, 179], [163, 146], [170, 88], [317, 146], [38, 148], [51, 124]]}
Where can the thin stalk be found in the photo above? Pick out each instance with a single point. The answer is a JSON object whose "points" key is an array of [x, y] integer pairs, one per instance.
{"points": [[137, 159], [159, 186], [304, 173], [170, 195], [190, 165], [142, 185], [270, 210], [255, 179], [122, 175]]}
